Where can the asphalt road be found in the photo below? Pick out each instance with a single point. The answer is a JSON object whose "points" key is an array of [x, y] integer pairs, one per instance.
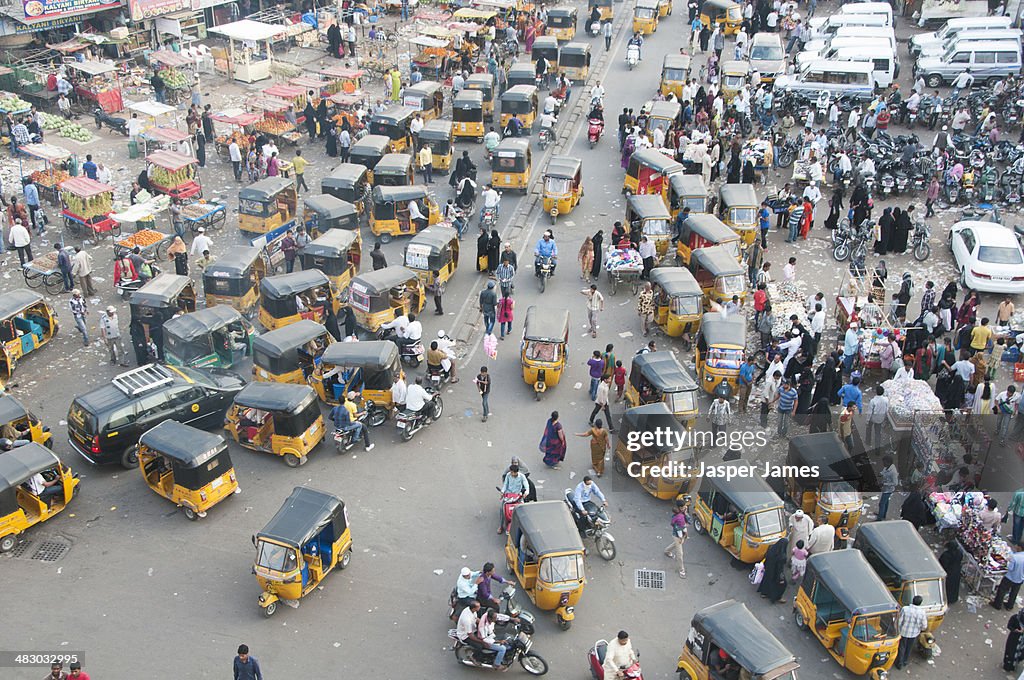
{"points": [[142, 588]]}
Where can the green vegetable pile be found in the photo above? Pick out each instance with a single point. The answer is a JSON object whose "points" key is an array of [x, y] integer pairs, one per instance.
{"points": [[65, 128]]}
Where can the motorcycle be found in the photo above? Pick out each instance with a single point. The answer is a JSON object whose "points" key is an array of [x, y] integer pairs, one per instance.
{"points": [[596, 658], [987, 184], [411, 354], [115, 123], [919, 244], [509, 501], [518, 650], [411, 422], [967, 184], [821, 107], [546, 270], [346, 439], [786, 152], [632, 56], [488, 218], [595, 128], [592, 527], [437, 376], [508, 606], [126, 288], [851, 243], [545, 137]]}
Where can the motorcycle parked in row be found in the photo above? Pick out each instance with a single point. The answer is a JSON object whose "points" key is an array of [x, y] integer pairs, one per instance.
{"points": [[115, 123], [919, 243]]}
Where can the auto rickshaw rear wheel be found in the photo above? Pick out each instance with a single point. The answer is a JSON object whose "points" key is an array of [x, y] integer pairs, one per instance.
{"points": [[269, 610], [345, 559], [618, 466], [798, 619], [698, 525], [190, 514], [130, 458], [291, 460], [564, 624], [685, 675], [8, 542]]}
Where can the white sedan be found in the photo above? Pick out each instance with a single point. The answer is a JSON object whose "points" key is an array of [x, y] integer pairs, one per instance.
{"points": [[988, 257]]}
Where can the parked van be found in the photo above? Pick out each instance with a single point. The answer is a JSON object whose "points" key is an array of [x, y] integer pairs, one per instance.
{"points": [[988, 61], [851, 79], [885, 32], [887, 68], [828, 50], [975, 35], [920, 42], [881, 8], [767, 56], [831, 24]]}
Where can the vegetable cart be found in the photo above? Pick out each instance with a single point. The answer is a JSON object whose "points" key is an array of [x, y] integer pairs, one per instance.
{"points": [[239, 123], [87, 206], [173, 174], [43, 271], [98, 82], [624, 266], [48, 179], [177, 70], [152, 244], [274, 122], [343, 107], [204, 215], [167, 138], [345, 79], [293, 94], [321, 87], [13, 104]]}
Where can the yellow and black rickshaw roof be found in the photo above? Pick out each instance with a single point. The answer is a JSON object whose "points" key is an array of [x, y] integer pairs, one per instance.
{"points": [[898, 544], [393, 164], [718, 331], [468, 99], [161, 290], [688, 185], [436, 237], [826, 451], [733, 628], [657, 161], [393, 115], [519, 93], [480, 81], [676, 61], [565, 167], [664, 372], [273, 396], [647, 206], [676, 281], [563, 11], [738, 195], [11, 409], [266, 189], [18, 465], [201, 322], [333, 243], [721, 5], [650, 418], [424, 88], [329, 207], [371, 144], [304, 515], [735, 68], [17, 301], [277, 343], [549, 527], [513, 147], [347, 175], [521, 69], [709, 227], [664, 110], [717, 261], [547, 324], [574, 47], [747, 494], [849, 577], [380, 281], [281, 286], [646, 4], [437, 129], [234, 263], [412, 192], [546, 42], [185, 445], [372, 354]]}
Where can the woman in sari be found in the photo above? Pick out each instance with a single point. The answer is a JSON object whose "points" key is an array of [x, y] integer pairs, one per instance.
{"points": [[552, 444], [628, 147], [586, 258], [531, 34]]}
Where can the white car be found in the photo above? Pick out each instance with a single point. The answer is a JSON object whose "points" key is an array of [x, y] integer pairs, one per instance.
{"points": [[988, 257]]}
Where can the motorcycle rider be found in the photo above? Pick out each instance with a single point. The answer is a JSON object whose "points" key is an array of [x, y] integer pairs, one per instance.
{"points": [[492, 138], [597, 113], [619, 656], [581, 497], [485, 633], [546, 248], [411, 334], [492, 200], [465, 193], [483, 579], [514, 127], [512, 483], [346, 418], [447, 347], [597, 94], [465, 630], [541, 70], [435, 360], [398, 325], [637, 40], [547, 124], [550, 104], [416, 396], [398, 391]]}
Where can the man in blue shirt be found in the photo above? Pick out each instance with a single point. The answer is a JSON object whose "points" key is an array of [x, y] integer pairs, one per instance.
{"points": [[31, 193], [785, 400], [1009, 586], [546, 248], [581, 497], [246, 667], [88, 167], [851, 393], [764, 217], [746, 380]]}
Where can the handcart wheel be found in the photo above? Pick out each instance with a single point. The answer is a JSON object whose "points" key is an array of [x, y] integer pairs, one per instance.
{"points": [[73, 227], [54, 283], [32, 279], [115, 230]]}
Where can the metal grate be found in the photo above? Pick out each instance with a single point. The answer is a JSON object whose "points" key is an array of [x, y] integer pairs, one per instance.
{"points": [[51, 551], [21, 548], [647, 579]]}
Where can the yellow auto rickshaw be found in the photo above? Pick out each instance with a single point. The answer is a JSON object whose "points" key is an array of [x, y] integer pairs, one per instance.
{"points": [[832, 495], [720, 345], [648, 216], [719, 274], [675, 71], [367, 151], [729, 627], [159, 300], [187, 466], [686, 191], [908, 567], [604, 6], [324, 213], [510, 164], [18, 423], [661, 468], [427, 97], [27, 322], [433, 254], [574, 61], [276, 418], [212, 337], [287, 298], [664, 8], [468, 114], [726, 13], [645, 17], [483, 83], [393, 123], [394, 170], [561, 22], [390, 213], [439, 137], [545, 46], [563, 185], [545, 347], [305, 541], [734, 75], [22, 507], [519, 101], [289, 354], [848, 609], [741, 514], [336, 253], [267, 205], [349, 182], [737, 207], [545, 552], [701, 230], [663, 114], [659, 377], [678, 301], [233, 279], [367, 368], [383, 295], [648, 172], [521, 73]]}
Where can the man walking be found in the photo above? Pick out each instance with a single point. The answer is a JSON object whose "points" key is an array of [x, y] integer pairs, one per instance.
{"points": [[911, 622], [200, 243], [606, 31], [64, 265], [483, 386], [81, 269], [595, 304], [31, 193], [489, 307], [719, 413], [745, 382], [878, 407], [601, 402], [596, 366], [110, 333], [246, 667], [645, 308], [299, 164], [785, 401], [426, 161], [889, 480], [290, 249], [235, 154], [21, 240], [80, 310], [438, 288]]}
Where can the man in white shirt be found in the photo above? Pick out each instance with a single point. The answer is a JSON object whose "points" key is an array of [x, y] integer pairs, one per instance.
{"points": [[619, 656], [659, 137], [43, 489], [102, 174], [878, 407], [485, 631], [585, 491], [410, 333], [812, 193], [398, 392], [397, 324], [416, 125], [817, 325], [235, 154], [547, 120], [550, 104], [201, 243], [416, 396], [964, 367], [1006, 405], [962, 82], [467, 624], [491, 199], [789, 270], [134, 127], [597, 92], [20, 238]]}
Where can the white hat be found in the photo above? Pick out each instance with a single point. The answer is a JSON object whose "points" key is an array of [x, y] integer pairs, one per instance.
{"points": [[798, 514], [466, 571], [352, 395], [201, 230], [440, 333], [111, 308]]}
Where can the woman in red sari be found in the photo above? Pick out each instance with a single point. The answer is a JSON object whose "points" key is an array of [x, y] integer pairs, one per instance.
{"points": [[530, 33], [808, 217]]}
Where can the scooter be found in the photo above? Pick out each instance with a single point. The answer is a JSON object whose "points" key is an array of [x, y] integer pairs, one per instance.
{"points": [[595, 128], [509, 501], [592, 527], [411, 354], [411, 422], [594, 29], [115, 123], [597, 656], [821, 107], [488, 218], [126, 288], [632, 56]]}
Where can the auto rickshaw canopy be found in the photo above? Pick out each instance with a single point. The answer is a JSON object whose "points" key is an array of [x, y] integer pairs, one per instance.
{"points": [[434, 239], [549, 527], [709, 228], [548, 44], [517, 95], [187, 446], [331, 209], [647, 207], [826, 451], [688, 185], [718, 331], [663, 371], [276, 397], [402, 194], [11, 409], [425, 90], [15, 301], [717, 261], [160, 291], [849, 577], [202, 322], [663, 110], [575, 54], [302, 517], [520, 73], [283, 285], [276, 343], [17, 466], [334, 243], [675, 66], [566, 16], [436, 130], [650, 418], [469, 99], [372, 355], [370, 145], [737, 196], [393, 116], [733, 628], [747, 494], [266, 190], [563, 167], [735, 68], [344, 176], [516, 149], [393, 164], [717, 8], [380, 281], [657, 161], [548, 324], [234, 263], [675, 281], [648, 5], [484, 82], [898, 544]]}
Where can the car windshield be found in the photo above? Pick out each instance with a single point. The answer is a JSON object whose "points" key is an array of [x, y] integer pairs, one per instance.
{"points": [[275, 557], [766, 52], [873, 628], [999, 255], [930, 590], [765, 523], [561, 569]]}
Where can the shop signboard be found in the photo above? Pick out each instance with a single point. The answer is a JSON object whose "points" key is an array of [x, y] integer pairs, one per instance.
{"points": [[148, 9], [52, 9]]}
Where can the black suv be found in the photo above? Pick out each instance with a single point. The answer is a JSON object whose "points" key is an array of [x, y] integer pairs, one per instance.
{"points": [[104, 425]]}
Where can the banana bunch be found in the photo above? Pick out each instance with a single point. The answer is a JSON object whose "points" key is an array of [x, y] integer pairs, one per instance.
{"points": [[88, 208], [171, 178]]}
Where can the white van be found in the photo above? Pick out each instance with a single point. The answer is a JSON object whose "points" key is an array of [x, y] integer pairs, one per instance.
{"points": [[828, 50], [886, 66], [919, 43], [976, 35], [850, 79], [988, 62], [857, 32], [883, 8], [831, 24]]}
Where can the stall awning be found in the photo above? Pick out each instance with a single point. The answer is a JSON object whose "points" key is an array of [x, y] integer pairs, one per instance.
{"points": [[427, 41], [270, 104], [92, 68], [463, 26], [151, 109], [46, 152], [170, 160], [308, 82], [68, 46], [436, 31], [237, 117], [342, 72], [284, 91], [247, 29], [166, 134], [83, 187], [171, 58], [345, 99]]}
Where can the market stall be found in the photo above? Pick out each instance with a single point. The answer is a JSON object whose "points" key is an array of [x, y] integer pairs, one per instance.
{"points": [[290, 28], [939, 440], [761, 153], [321, 87], [240, 123], [178, 72], [48, 179], [87, 207], [139, 218], [347, 107], [277, 120], [249, 49], [13, 104], [98, 82], [787, 299], [152, 112], [173, 174], [347, 79], [293, 94], [434, 51], [624, 266], [169, 138]]}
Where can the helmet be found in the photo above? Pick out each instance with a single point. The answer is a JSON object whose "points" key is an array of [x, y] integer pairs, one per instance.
{"points": [[441, 333], [6, 444]]}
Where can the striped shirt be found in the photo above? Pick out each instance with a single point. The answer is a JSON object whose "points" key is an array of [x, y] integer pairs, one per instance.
{"points": [[787, 399]]}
